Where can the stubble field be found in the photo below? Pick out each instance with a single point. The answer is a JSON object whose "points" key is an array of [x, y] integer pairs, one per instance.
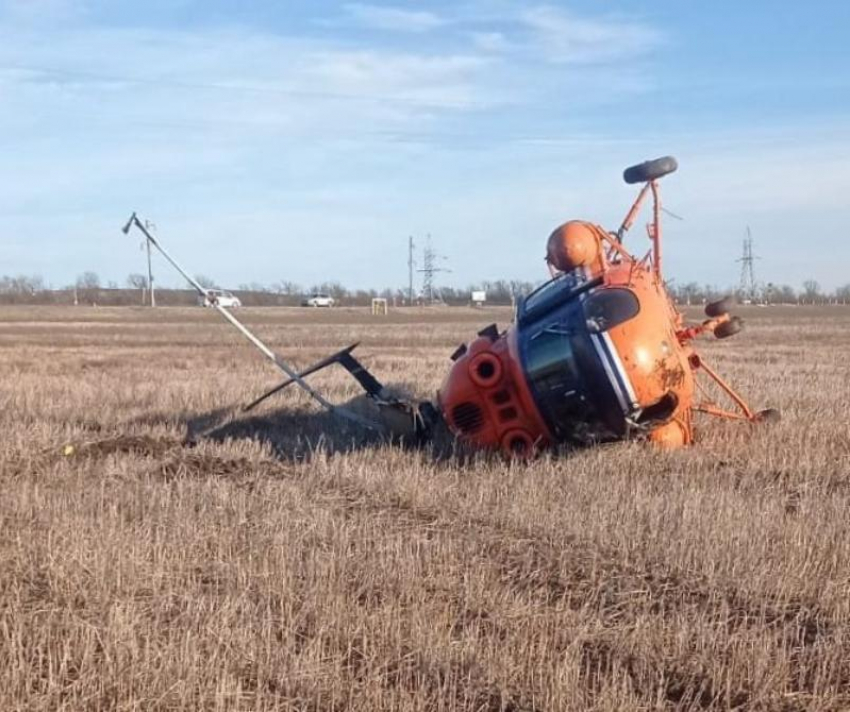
{"points": [[272, 566]]}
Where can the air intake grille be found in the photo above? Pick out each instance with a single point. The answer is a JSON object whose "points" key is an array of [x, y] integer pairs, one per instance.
{"points": [[467, 417]]}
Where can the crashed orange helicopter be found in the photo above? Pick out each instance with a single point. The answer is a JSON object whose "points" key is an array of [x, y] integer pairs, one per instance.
{"points": [[597, 353]]}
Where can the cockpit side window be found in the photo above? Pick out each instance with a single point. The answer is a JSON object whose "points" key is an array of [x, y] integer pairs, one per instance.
{"points": [[549, 296], [610, 307]]}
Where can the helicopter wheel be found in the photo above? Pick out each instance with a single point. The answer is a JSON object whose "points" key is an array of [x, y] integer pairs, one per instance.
{"points": [[719, 308], [768, 416], [650, 170], [729, 328]]}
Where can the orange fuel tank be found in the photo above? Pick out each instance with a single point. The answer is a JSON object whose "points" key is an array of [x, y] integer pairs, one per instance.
{"points": [[572, 245]]}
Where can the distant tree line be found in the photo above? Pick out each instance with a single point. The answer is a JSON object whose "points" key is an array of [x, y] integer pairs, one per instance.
{"points": [[809, 293], [88, 289]]}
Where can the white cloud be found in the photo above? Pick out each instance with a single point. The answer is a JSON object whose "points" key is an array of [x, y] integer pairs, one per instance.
{"points": [[96, 118], [490, 41], [567, 38], [40, 11], [435, 81], [230, 81], [394, 19]]}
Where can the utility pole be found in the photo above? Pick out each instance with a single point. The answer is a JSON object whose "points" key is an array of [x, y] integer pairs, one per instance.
{"points": [[150, 227], [411, 264]]}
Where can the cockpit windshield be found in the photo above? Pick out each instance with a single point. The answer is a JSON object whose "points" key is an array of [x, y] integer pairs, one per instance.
{"points": [[567, 280], [552, 294], [566, 361]]}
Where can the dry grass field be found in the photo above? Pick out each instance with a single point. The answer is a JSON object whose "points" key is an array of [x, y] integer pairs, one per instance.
{"points": [[273, 567]]}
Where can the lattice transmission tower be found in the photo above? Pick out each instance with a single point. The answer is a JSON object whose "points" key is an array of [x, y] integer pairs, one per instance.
{"points": [[430, 267], [747, 287]]}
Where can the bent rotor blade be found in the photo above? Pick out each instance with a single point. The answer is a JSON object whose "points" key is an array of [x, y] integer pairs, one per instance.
{"points": [[265, 350], [371, 385], [324, 363]]}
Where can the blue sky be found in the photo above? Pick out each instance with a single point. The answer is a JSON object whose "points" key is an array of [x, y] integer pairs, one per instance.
{"points": [[304, 141]]}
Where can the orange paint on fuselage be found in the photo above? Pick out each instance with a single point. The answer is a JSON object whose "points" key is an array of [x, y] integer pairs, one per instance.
{"points": [[653, 358]]}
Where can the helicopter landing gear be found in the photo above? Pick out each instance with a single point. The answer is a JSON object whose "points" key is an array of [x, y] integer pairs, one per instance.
{"points": [[722, 326], [720, 307], [650, 170], [743, 412], [725, 329]]}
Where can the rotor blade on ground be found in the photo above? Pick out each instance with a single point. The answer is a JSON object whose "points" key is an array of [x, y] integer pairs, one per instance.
{"points": [[324, 363], [265, 350]]}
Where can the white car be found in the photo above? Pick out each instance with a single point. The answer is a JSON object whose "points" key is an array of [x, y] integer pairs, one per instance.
{"points": [[318, 300], [221, 297]]}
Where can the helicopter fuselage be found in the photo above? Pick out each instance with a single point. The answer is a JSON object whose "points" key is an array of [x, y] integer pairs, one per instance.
{"points": [[593, 355]]}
